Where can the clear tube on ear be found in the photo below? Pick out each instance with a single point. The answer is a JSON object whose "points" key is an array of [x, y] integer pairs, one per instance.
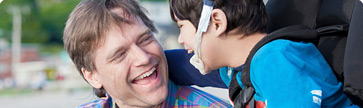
{"points": [[198, 63], [202, 27]]}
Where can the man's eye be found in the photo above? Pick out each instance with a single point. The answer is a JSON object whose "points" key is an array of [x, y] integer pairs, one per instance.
{"points": [[119, 57], [147, 39]]}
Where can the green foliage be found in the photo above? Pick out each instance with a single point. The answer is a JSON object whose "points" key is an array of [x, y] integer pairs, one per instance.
{"points": [[54, 16], [42, 20], [32, 31], [5, 20], [15, 92], [6, 15]]}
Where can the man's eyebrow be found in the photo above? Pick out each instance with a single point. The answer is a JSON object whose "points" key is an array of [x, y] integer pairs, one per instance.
{"points": [[147, 31]]}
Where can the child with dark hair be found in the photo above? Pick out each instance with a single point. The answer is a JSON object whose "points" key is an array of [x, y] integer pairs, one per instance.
{"points": [[281, 73]]}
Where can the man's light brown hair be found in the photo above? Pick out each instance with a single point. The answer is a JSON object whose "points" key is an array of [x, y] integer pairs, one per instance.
{"points": [[88, 24]]}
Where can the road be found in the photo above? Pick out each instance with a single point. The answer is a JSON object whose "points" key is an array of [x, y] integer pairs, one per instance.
{"points": [[47, 99]]}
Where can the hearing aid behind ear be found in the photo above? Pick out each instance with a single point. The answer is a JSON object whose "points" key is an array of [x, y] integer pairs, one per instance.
{"points": [[202, 27]]}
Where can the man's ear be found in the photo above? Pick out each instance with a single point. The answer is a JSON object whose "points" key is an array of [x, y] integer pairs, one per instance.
{"points": [[218, 21], [91, 78]]}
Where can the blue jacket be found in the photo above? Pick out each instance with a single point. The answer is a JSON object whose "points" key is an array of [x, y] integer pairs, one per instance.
{"points": [[284, 74], [294, 74]]}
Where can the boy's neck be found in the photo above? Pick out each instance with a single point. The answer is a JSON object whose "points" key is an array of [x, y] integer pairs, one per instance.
{"points": [[239, 48]]}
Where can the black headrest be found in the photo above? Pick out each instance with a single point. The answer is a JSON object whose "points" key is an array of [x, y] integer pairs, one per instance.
{"points": [[312, 13], [335, 12], [283, 13]]}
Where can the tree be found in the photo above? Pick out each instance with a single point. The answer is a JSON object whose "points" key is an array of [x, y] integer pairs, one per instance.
{"points": [[53, 17], [31, 25], [42, 20]]}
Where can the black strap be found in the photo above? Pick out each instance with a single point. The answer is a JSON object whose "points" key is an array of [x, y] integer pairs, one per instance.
{"points": [[240, 97], [333, 30], [252, 102], [234, 87]]}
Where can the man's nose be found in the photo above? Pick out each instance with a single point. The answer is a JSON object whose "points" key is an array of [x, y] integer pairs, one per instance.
{"points": [[141, 57]]}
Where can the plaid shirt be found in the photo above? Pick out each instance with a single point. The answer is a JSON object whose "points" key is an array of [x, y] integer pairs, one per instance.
{"points": [[178, 96]]}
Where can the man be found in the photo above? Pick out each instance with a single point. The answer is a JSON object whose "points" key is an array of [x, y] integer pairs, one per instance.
{"points": [[113, 48]]}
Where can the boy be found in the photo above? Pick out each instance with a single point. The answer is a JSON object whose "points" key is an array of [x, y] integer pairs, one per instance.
{"points": [[284, 73]]}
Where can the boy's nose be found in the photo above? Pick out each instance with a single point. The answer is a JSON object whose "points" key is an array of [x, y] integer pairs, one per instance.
{"points": [[180, 40]]}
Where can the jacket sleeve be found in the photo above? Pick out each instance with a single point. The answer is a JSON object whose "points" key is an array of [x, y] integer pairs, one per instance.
{"points": [[181, 72]]}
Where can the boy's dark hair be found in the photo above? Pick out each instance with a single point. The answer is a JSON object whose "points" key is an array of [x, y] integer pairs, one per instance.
{"points": [[247, 16], [88, 24]]}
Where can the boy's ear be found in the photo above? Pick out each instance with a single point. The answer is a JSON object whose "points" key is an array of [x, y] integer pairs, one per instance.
{"points": [[91, 78], [218, 21]]}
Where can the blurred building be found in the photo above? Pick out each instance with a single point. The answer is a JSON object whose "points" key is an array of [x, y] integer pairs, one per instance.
{"points": [[159, 13], [30, 60]]}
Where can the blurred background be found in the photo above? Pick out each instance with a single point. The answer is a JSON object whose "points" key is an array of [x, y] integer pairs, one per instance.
{"points": [[35, 70]]}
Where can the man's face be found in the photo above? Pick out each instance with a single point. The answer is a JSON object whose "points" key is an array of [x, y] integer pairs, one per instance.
{"points": [[131, 65]]}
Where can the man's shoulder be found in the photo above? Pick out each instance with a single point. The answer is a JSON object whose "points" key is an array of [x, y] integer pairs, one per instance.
{"points": [[186, 96], [99, 103], [201, 98]]}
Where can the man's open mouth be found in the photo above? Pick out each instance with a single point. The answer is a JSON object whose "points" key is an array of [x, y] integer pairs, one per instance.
{"points": [[147, 77]]}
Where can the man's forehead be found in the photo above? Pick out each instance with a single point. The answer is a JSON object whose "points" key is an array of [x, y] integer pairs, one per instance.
{"points": [[124, 19], [121, 13], [133, 28]]}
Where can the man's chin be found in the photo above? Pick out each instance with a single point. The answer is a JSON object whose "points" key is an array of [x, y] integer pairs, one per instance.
{"points": [[152, 100], [157, 97]]}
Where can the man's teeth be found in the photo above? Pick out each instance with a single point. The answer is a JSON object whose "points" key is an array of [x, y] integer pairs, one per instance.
{"points": [[146, 74]]}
